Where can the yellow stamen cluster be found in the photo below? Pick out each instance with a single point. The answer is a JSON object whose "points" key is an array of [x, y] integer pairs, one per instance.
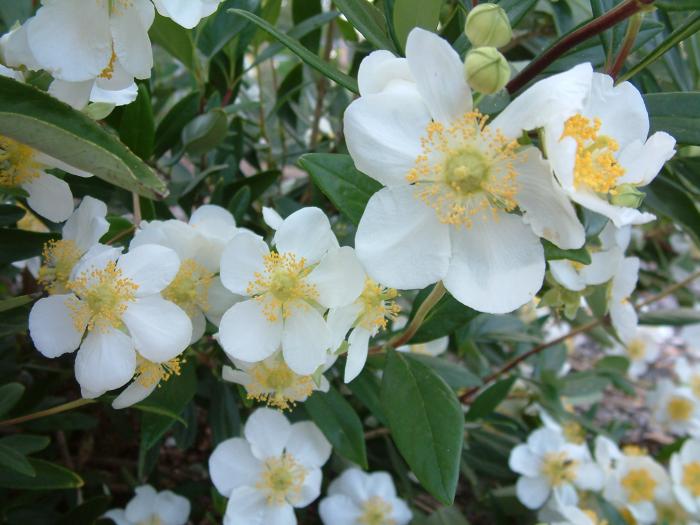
{"points": [[378, 306], [17, 164], [275, 384], [695, 384], [108, 71], [639, 485], [596, 167], [465, 170], [103, 297], [60, 257], [636, 349], [558, 468], [376, 511], [594, 517], [634, 450], [282, 285], [679, 408], [190, 288], [149, 373], [574, 433], [282, 479]]}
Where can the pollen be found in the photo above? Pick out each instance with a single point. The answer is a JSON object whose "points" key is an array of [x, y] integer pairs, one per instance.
{"points": [[378, 306], [574, 433], [679, 408], [558, 468], [639, 485], [149, 373], [596, 167], [275, 384], [636, 349], [465, 171], [691, 477], [59, 259], [376, 511], [695, 384], [282, 285], [190, 288], [17, 164], [282, 479], [103, 297]]}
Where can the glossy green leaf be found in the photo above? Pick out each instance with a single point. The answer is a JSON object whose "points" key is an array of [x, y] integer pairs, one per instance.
{"points": [[339, 423], [219, 30], [675, 113], [26, 443], [175, 39], [87, 512], [205, 132], [553, 253], [10, 394], [170, 128], [336, 176], [678, 5], [447, 516], [137, 129], [444, 318], [48, 476], [426, 423], [15, 461], [16, 302], [223, 415], [454, 374], [666, 197], [35, 118], [489, 399], [368, 20], [17, 245], [415, 13], [365, 387], [10, 214], [670, 317]]}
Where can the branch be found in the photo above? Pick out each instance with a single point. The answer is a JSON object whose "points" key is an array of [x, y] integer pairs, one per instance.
{"points": [[48, 412]]}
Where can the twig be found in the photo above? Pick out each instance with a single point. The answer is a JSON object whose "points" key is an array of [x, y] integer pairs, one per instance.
{"points": [[137, 208], [377, 432], [627, 44], [321, 88], [48, 412], [435, 295]]}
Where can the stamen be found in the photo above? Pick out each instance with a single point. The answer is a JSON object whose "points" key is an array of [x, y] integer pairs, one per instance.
{"points": [[275, 384], [149, 373], [639, 485], [376, 511], [190, 288], [558, 468], [282, 479], [378, 306], [17, 164], [691, 477], [60, 257], [679, 408]]}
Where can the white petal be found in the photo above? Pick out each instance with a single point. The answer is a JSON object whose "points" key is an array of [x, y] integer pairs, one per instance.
{"points": [[353, 483], [96, 258], [172, 508], [532, 492], [380, 68], [523, 461], [75, 94], [339, 278], [310, 490], [643, 161], [120, 97], [279, 515], [400, 240], [186, 13], [381, 484], [305, 340], [602, 267], [339, 509], [142, 506], [50, 197], [306, 233], [545, 206], [88, 224], [589, 476], [545, 440], [151, 267], [308, 445], [121, 80], [383, 132], [566, 275], [246, 505], [106, 360], [620, 215], [161, 330], [132, 394], [214, 221], [48, 160], [131, 43], [358, 346], [118, 516], [626, 277], [199, 326], [219, 300], [245, 333], [268, 432], [439, 75], [401, 514], [273, 219], [624, 319], [497, 264], [15, 51], [241, 259], [233, 465], [52, 328], [340, 320]]}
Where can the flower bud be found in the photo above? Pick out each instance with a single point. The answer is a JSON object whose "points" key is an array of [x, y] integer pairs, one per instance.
{"points": [[488, 25], [486, 70], [627, 195]]}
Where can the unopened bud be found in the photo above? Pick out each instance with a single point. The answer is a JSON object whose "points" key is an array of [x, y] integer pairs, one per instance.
{"points": [[627, 195], [486, 70], [488, 25]]}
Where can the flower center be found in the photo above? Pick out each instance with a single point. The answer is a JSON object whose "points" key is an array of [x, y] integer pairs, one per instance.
{"points": [[596, 166], [104, 296], [190, 288], [282, 285], [282, 479], [376, 511], [573, 432], [378, 305], [695, 384], [17, 164], [595, 520], [636, 349], [558, 468], [149, 373], [465, 170], [60, 257], [108, 71], [152, 520], [679, 408], [274, 383], [639, 485]]}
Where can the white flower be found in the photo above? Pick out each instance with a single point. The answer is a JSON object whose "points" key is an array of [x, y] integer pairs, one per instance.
{"points": [[273, 382], [675, 408], [643, 348], [575, 516], [288, 291], [548, 464], [622, 312], [569, 429], [149, 507], [685, 476], [187, 13], [275, 468], [359, 498], [363, 318], [197, 288], [116, 317], [691, 336], [451, 181], [601, 144], [81, 232], [24, 168], [431, 348], [689, 375]]}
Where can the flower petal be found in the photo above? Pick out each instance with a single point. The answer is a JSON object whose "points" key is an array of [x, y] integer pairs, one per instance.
{"points": [[106, 360], [340, 320], [310, 490], [88, 224], [245, 333], [339, 278], [620, 215], [52, 328], [273, 219], [129, 26], [50, 197], [532, 492], [241, 259], [523, 461], [308, 445], [566, 275], [142, 506], [305, 340], [219, 300], [306, 233], [214, 221], [172, 509], [151, 267], [643, 161], [380, 68], [358, 346], [75, 94], [268, 432], [233, 465], [186, 13], [247, 505], [132, 394], [339, 509], [400, 240]]}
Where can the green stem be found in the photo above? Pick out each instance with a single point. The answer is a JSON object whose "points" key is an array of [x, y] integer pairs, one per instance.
{"points": [[627, 44], [48, 412], [435, 295]]}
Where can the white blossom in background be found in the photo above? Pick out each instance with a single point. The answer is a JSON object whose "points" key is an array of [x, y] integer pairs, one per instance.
{"points": [[287, 291], [451, 182], [149, 507], [675, 409], [688, 375], [273, 469], [361, 498], [623, 315], [691, 337], [643, 348], [114, 316], [685, 476], [549, 465], [187, 13], [569, 428], [571, 515]]}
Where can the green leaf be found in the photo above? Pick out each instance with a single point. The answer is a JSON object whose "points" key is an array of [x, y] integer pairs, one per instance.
{"points": [[444, 318], [553, 253], [175, 39], [489, 399], [26, 443], [336, 176], [617, 364], [408, 14], [35, 118], [339, 423], [17, 245], [454, 374], [665, 197], [10, 394], [15, 461], [137, 129], [48, 476], [368, 20], [9, 214], [678, 5], [583, 384], [170, 128], [16, 302], [223, 415], [307, 56], [675, 113], [670, 317], [205, 132], [426, 423], [365, 387], [447, 516], [239, 202], [87, 512], [219, 30]]}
